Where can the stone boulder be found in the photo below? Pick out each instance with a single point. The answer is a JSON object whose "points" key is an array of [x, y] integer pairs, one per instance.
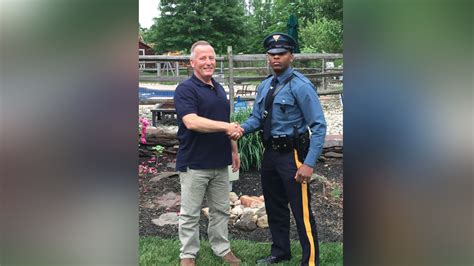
{"points": [[252, 213], [165, 136], [332, 154], [233, 197], [232, 219], [262, 221], [237, 210], [168, 200], [261, 212], [170, 218], [163, 175], [246, 222], [252, 201]]}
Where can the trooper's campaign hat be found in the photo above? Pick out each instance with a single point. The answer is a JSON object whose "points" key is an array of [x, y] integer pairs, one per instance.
{"points": [[278, 42]]}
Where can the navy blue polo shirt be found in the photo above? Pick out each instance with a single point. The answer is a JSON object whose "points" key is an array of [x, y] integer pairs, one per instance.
{"points": [[202, 150]]}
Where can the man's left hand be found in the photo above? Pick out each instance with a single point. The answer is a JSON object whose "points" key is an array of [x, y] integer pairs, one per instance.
{"points": [[304, 173], [235, 162]]}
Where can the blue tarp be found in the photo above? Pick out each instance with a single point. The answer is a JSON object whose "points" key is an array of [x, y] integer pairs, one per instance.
{"points": [[145, 93], [239, 105]]}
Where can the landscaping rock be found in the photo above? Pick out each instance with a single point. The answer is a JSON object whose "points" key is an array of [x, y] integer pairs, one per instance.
{"points": [[333, 154], [171, 151], [232, 218], [149, 205], [262, 222], [261, 212], [251, 201], [237, 210], [168, 200], [257, 204], [251, 213], [205, 211], [143, 152], [166, 218], [333, 141], [233, 197], [164, 136], [163, 175], [246, 222]]}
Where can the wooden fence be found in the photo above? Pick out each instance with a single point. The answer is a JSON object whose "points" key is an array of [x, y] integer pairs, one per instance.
{"points": [[176, 69]]}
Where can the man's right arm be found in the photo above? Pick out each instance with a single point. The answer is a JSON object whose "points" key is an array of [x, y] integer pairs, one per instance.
{"points": [[186, 108], [204, 125], [254, 122]]}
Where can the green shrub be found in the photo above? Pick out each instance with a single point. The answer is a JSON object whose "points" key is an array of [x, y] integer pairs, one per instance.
{"points": [[250, 146], [324, 35]]}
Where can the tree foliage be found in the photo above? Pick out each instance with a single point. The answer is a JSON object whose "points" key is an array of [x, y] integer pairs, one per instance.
{"points": [[184, 22], [325, 35], [243, 24]]}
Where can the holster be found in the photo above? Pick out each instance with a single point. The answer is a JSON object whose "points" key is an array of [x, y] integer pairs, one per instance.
{"points": [[301, 144]]}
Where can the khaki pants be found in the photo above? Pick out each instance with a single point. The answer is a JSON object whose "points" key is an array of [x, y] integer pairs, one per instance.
{"points": [[195, 184]]}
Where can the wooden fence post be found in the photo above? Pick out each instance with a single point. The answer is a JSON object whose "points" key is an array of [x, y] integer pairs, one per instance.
{"points": [[268, 67], [323, 79], [231, 78], [177, 70]]}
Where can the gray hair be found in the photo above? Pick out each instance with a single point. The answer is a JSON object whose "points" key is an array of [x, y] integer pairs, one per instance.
{"points": [[198, 43]]}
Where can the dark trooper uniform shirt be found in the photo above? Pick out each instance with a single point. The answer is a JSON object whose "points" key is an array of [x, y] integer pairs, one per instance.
{"points": [[297, 103]]}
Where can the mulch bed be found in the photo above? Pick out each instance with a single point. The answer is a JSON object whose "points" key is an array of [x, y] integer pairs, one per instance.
{"points": [[326, 201]]}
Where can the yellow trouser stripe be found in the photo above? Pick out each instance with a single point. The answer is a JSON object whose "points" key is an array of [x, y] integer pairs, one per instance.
{"points": [[307, 223]]}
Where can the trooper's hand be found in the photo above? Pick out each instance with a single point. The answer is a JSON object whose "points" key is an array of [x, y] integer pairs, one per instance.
{"points": [[304, 173], [235, 132]]}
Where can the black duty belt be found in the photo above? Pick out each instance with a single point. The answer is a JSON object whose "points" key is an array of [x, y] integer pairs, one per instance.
{"points": [[284, 143]]}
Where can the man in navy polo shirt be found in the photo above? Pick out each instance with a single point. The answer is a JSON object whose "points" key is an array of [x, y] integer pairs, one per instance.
{"points": [[205, 151]]}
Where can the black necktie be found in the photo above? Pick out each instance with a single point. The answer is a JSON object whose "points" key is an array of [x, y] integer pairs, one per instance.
{"points": [[267, 125]]}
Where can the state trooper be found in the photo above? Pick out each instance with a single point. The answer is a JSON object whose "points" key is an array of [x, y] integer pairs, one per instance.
{"points": [[288, 111]]}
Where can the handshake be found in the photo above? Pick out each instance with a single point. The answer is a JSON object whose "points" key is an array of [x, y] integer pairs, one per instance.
{"points": [[234, 131]]}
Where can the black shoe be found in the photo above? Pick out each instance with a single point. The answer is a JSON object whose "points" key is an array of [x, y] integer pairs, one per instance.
{"points": [[272, 259]]}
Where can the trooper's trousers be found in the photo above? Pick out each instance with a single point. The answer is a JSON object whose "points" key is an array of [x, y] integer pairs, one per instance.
{"points": [[280, 188]]}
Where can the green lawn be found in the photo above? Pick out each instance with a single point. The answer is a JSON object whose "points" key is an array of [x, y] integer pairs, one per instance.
{"points": [[159, 251]]}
